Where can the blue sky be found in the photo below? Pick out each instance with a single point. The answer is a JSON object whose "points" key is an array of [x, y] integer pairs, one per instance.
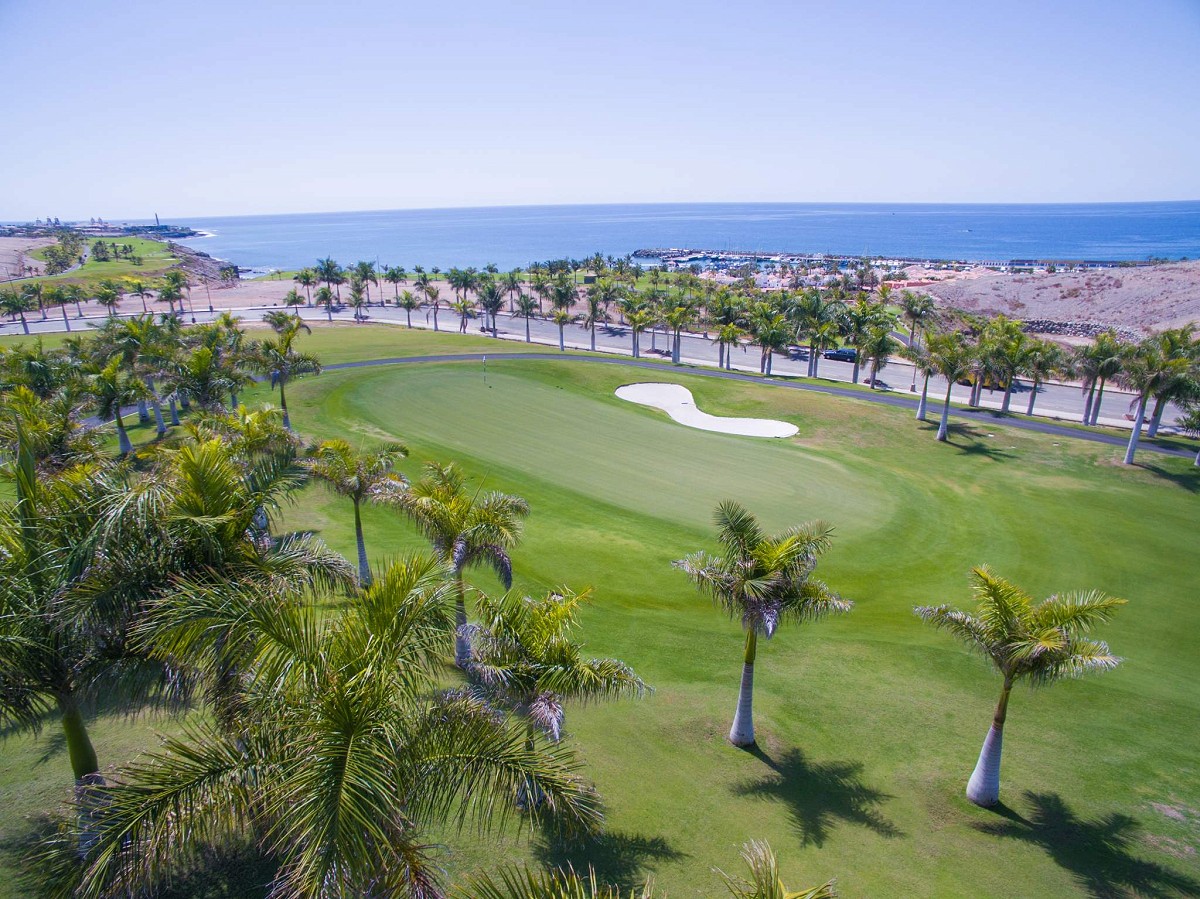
{"points": [[123, 109]]}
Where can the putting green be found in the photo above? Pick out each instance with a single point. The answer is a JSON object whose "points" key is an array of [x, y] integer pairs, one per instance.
{"points": [[869, 724]]}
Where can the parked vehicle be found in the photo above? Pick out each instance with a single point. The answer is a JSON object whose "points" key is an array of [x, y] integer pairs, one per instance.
{"points": [[842, 354]]}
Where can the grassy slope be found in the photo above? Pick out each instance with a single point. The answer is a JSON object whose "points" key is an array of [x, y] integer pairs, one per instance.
{"points": [[156, 259], [869, 724]]}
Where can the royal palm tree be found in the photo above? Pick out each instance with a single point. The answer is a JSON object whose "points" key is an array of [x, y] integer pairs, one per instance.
{"points": [[562, 318], [13, 302], [639, 319], [523, 659], [108, 297], [465, 529], [112, 388], [342, 754], [1097, 364], [279, 360], [365, 274], [1153, 366], [527, 307], [408, 302], [330, 274], [326, 299], [432, 297], [1176, 343], [877, 346], [1040, 642], [1043, 359], [950, 356], [394, 275], [728, 336], [308, 279], [916, 309], [59, 650], [363, 477], [138, 288], [201, 378], [762, 580], [491, 301]]}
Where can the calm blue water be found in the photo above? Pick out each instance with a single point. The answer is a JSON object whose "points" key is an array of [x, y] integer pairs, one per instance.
{"points": [[514, 236]]}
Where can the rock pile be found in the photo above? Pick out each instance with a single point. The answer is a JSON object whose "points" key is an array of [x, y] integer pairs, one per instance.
{"points": [[1077, 329]]}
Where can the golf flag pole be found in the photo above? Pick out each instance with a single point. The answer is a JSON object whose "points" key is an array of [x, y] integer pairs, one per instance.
{"points": [[485, 369]]}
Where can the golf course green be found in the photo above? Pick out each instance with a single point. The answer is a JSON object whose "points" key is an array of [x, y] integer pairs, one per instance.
{"points": [[869, 723]]}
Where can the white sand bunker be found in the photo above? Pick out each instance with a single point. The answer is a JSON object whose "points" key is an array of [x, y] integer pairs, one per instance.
{"points": [[677, 402]]}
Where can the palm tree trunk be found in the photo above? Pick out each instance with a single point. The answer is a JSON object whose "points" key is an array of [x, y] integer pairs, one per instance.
{"points": [[1032, 395], [159, 424], [593, 329], [364, 569], [1156, 418], [561, 348], [86, 768], [462, 645], [1007, 396], [1087, 404], [408, 315], [1137, 431], [233, 401], [527, 340], [856, 369], [636, 348], [984, 786], [287, 422], [1096, 405], [435, 312], [742, 732], [66, 321], [944, 427], [123, 438], [923, 404], [24, 324], [174, 411], [329, 311], [143, 412]]}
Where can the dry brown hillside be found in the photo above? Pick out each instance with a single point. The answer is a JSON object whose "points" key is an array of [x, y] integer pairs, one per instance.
{"points": [[1147, 298]]}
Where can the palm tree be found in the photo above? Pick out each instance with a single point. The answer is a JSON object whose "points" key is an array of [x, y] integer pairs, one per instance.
{"points": [[61, 650], [1038, 642], [364, 272], [562, 318], [13, 302], [762, 580], [108, 297], [278, 359], [394, 275], [765, 882], [527, 307], [73, 293], [357, 298], [491, 301], [1097, 364], [361, 476], [465, 529], [1043, 360], [308, 279], [950, 357], [877, 346], [511, 282], [432, 295], [139, 289], [770, 331], [523, 659], [639, 319], [1176, 343], [677, 318], [326, 299], [727, 338], [464, 310], [200, 377], [342, 754], [917, 309], [408, 302], [1153, 366], [112, 388], [330, 273]]}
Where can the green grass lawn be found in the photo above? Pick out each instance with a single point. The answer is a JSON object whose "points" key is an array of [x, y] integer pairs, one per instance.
{"points": [[156, 259], [868, 724]]}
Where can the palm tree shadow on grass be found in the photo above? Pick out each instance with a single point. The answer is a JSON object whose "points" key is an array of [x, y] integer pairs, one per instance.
{"points": [[820, 795], [1098, 853], [1189, 479], [970, 441], [622, 859]]}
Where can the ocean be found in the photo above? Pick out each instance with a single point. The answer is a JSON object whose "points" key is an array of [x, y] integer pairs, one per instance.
{"points": [[514, 236]]}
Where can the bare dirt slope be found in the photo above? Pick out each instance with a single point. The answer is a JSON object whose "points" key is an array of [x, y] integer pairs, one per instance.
{"points": [[1146, 299]]}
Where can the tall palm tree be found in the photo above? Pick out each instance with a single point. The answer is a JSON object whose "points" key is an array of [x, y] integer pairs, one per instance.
{"points": [[1043, 360], [112, 388], [138, 288], [13, 302], [728, 336], [432, 297], [330, 274], [917, 309], [523, 659], [308, 279], [527, 307], [562, 318], [465, 529], [278, 359], [408, 302], [1176, 343], [1151, 367], [877, 346], [763, 580], [326, 299], [491, 301], [639, 319], [362, 477], [342, 754], [1037, 642], [62, 651], [1097, 364], [950, 356]]}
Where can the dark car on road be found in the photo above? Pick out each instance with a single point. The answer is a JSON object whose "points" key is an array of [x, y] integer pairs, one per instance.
{"points": [[842, 354]]}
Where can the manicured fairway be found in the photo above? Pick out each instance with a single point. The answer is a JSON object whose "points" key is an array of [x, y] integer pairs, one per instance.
{"points": [[868, 724]]}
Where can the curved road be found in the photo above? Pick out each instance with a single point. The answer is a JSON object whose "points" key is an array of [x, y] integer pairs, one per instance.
{"points": [[887, 399]]}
